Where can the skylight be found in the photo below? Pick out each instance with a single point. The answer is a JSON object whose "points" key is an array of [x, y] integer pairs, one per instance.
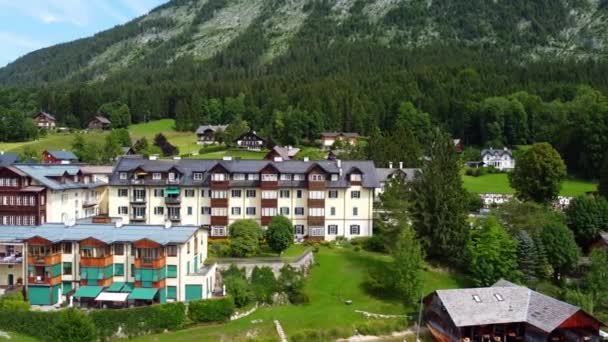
{"points": [[498, 297], [476, 298]]}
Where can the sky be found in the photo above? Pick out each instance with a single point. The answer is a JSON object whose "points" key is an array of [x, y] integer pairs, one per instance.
{"points": [[28, 25]]}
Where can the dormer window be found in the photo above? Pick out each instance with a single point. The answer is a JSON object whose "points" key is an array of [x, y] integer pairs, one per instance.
{"points": [[355, 177], [253, 176], [123, 176], [316, 178], [156, 176], [218, 177], [171, 176], [238, 176], [197, 176], [334, 177], [269, 177]]}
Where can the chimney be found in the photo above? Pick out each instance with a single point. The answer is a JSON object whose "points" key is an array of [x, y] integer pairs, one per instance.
{"points": [[227, 158], [390, 165], [278, 159], [306, 159], [400, 165]]}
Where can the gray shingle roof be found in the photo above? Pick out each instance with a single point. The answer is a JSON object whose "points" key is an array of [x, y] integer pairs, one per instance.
{"points": [[107, 233], [214, 128], [188, 166], [102, 119], [519, 304], [62, 154], [47, 115], [496, 152], [43, 173], [286, 152], [385, 173], [335, 134], [7, 159]]}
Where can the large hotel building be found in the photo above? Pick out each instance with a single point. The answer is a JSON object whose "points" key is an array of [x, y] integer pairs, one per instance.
{"points": [[323, 199]]}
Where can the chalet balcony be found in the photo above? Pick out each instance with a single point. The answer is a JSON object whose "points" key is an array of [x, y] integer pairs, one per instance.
{"points": [[150, 262], [44, 259], [43, 280], [138, 199], [172, 181], [96, 261], [175, 218], [90, 202], [137, 181]]}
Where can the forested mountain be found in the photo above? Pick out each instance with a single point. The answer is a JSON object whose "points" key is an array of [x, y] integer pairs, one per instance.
{"points": [[491, 72], [256, 32]]}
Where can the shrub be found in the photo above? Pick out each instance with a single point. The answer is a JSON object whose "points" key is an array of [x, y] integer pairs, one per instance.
{"points": [[357, 249], [211, 149], [321, 335], [279, 234], [292, 283], [375, 244], [299, 298], [264, 284], [73, 326], [378, 327], [211, 310], [468, 171], [14, 301], [245, 238], [240, 290], [29, 323], [220, 249]]}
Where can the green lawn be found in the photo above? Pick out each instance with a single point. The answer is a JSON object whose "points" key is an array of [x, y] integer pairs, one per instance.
{"points": [[242, 154], [52, 141], [18, 338], [338, 276], [498, 183]]}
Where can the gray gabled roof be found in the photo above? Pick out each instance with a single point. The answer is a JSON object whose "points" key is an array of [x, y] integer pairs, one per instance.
{"points": [[107, 233], [385, 173], [102, 119], [519, 304], [62, 154], [7, 158], [44, 174], [46, 115], [286, 152], [214, 128], [496, 152], [344, 134], [187, 167]]}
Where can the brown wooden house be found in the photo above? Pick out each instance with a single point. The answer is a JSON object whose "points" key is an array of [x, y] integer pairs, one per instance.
{"points": [[284, 153], [251, 141], [99, 122], [505, 312], [45, 120], [207, 134], [21, 204], [59, 157]]}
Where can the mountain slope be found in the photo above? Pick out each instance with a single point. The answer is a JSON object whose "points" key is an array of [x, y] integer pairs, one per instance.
{"points": [[205, 30]]}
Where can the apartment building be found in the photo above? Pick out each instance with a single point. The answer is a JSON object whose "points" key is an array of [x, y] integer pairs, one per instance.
{"points": [[106, 263], [323, 199], [33, 194]]}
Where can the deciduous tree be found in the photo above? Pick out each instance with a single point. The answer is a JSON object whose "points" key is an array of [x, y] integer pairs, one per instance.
{"points": [[245, 238], [279, 234]]}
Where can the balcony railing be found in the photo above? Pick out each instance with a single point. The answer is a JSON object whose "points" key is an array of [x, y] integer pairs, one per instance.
{"points": [[173, 181], [137, 218], [41, 259], [89, 202], [175, 217], [150, 262], [138, 199], [96, 261], [137, 181], [44, 280], [173, 200], [11, 259]]}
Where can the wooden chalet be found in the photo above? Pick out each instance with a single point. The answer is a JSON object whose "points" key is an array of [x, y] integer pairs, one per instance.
{"points": [[100, 122], [45, 120], [207, 133], [251, 141], [282, 153], [505, 312], [59, 157]]}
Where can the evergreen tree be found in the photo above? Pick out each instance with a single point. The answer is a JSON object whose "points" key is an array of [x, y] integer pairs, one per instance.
{"points": [[527, 256], [439, 203]]}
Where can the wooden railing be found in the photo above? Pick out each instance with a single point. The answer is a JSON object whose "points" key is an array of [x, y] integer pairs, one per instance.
{"points": [[51, 259], [45, 281], [96, 261], [150, 263]]}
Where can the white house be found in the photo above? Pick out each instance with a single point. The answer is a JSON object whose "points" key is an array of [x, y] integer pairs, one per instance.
{"points": [[500, 159]]}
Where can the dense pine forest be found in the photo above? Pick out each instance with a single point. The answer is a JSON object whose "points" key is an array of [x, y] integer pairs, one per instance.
{"points": [[491, 73]]}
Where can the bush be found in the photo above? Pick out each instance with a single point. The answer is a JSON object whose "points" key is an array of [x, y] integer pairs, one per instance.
{"points": [[240, 290], [30, 323], [139, 321], [298, 298], [211, 149], [357, 249], [380, 327], [279, 234], [73, 326], [264, 284], [220, 249], [14, 301], [211, 310], [245, 236], [375, 244], [321, 335]]}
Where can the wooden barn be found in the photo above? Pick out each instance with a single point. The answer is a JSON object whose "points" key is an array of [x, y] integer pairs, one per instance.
{"points": [[505, 312]]}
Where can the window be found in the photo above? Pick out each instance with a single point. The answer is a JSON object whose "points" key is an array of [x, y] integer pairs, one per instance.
{"points": [[218, 177], [139, 195], [299, 177], [355, 211], [269, 194], [236, 210], [298, 229], [250, 193], [284, 193], [269, 177], [197, 176], [477, 299], [171, 271], [316, 194], [219, 211], [159, 210], [334, 177], [203, 193], [132, 270], [219, 194], [285, 176], [332, 229], [332, 211], [285, 211], [171, 250], [333, 194], [66, 248], [355, 229], [67, 268], [299, 211], [139, 212], [218, 231], [119, 270], [189, 193], [316, 231], [269, 212], [355, 177], [253, 176], [123, 176], [316, 178], [299, 193], [171, 292], [156, 176], [250, 211], [159, 192], [171, 176], [355, 194], [316, 212], [236, 193], [498, 297], [119, 249], [189, 211], [205, 210], [238, 176], [123, 192], [123, 210]]}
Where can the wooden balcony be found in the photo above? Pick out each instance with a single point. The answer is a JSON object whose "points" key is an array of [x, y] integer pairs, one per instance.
{"points": [[96, 262], [316, 185], [266, 220], [219, 220], [316, 221], [269, 203], [45, 281], [223, 185], [316, 203], [269, 185], [152, 263], [51, 259], [219, 203]]}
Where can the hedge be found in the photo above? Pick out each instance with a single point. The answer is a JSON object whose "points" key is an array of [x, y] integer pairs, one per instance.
{"points": [[139, 321], [29, 323], [211, 310]]}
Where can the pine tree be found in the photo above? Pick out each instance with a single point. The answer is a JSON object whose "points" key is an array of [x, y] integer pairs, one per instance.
{"points": [[527, 256]]}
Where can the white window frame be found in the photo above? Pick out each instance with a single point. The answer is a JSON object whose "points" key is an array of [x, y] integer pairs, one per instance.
{"points": [[219, 194], [355, 177], [197, 176], [156, 176], [316, 177], [355, 227], [317, 231], [123, 176], [316, 195], [219, 211], [269, 194], [238, 176], [248, 213], [355, 194], [235, 211], [253, 176], [284, 211], [269, 212], [316, 212], [270, 177], [285, 176], [218, 177], [298, 229]]}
